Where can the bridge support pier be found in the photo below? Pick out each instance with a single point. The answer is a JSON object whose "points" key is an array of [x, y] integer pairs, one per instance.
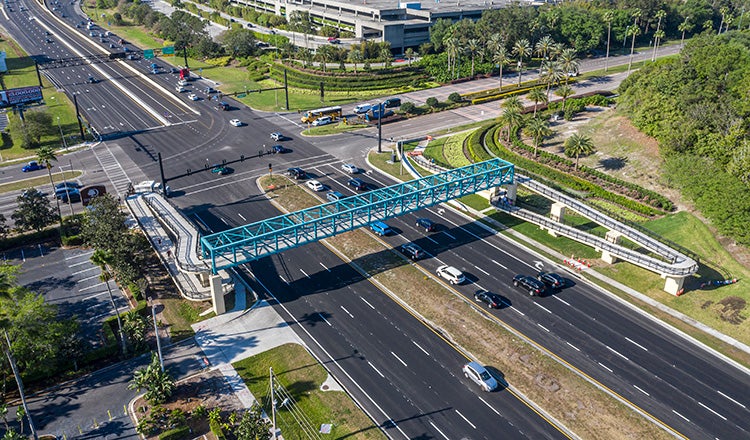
{"points": [[204, 278], [612, 237], [512, 192], [673, 284], [217, 295]]}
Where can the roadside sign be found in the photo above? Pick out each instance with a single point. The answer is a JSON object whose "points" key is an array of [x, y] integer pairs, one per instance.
{"points": [[90, 192], [168, 50], [148, 53]]}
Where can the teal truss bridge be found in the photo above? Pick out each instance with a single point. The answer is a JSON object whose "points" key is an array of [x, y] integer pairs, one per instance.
{"points": [[247, 243]]}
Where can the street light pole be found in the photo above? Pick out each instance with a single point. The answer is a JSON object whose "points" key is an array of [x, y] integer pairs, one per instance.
{"points": [[380, 126], [67, 191], [65, 144], [156, 332]]}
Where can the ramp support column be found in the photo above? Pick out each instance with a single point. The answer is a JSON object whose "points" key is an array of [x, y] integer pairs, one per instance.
{"points": [[217, 295], [673, 284], [612, 237]]}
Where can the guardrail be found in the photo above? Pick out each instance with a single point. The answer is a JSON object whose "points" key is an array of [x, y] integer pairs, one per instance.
{"points": [[177, 231]]}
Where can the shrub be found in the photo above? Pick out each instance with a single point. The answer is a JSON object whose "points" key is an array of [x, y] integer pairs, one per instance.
{"points": [[432, 102], [455, 97], [175, 434], [408, 107]]}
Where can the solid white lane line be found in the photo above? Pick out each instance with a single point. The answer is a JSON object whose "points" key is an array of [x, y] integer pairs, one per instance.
{"points": [[90, 287], [304, 273], [324, 319], [242, 217], [561, 300], [636, 344], [499, 264], [282, 279], [605, 367], [449, 235], [681, 415], [574, 347], [481, 270], [545, 328], [738, 403], [420, 347], [438, 430], [376, 370], [701, 404], [78, 264], [467, 420], [489, 406], [324, 267], [347, 312], [367, 303], [399, 359], [84, 270], [616, 352], [542, 307], [431, 239], [641, 390], [94, 296], [88, 278], [73, 257]]}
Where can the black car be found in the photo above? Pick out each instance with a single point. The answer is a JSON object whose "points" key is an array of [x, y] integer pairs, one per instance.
{"points": [[280, 149], [222, 106], [392, 102], [551, 279], [493, 301], [412, 251], [62, 185], [427, 224], [357, 184], [535, 287], [68, 195], [296, 173]]}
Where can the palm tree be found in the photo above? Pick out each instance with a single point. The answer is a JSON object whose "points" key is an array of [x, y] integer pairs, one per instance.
{"points": [[324, 54], [512, 117], [521, 49], [451, 49], [608, 17], [45, 156], [724, 11], [537, 95], [685, 26], [102, 259], [501, 58], [158, 384], [494, 43], [568, 63], [544, 46], [410, 54], [551, 73], [632, 31], [577, 146], [564, 91], [355, 57], [537, 129], [513, 102], [660, 14], [473, 47]]}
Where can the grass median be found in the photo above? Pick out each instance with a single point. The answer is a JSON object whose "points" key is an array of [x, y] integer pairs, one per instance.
{"points": [[581, 406]]}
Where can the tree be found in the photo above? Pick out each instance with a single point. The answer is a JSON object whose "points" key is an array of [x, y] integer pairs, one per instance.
{"points": [[494, 42], [633, 31], [658, 34], [537, 95], [577, 146], [513, 102], [134, 326], [408, 107], [564, 92], [385, 55], [543, 46], [455, 97], [33, 212], [410, 55], [104, 223], [685, 26], [35, 125], [511, 117], [238, 41], [608, 17], [253, 426], [501, 59], [45, 156], [432, 102], [537, 129], [102, 259], [355, 57], [159, 385], [551, 73], [521, 49], [451, 50], [4, 229], [473, 47]]}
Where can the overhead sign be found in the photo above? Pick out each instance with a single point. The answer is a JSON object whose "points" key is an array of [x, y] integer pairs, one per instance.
{"points": [[20, 95], [90, 192], [148, 53]]}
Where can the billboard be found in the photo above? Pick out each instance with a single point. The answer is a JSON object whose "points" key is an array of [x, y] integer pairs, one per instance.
{"points": [[20, 95], [90, 192]]}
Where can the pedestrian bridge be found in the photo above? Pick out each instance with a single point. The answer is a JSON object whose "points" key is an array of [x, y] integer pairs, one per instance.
{"points": [[247, 243]]}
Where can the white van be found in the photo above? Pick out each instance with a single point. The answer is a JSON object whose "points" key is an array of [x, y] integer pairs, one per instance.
{"points": [[362, 108], [322, 121]]}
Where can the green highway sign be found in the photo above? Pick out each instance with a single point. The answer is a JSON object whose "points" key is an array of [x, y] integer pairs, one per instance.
{"points": [[148, 53], [169, 50]]}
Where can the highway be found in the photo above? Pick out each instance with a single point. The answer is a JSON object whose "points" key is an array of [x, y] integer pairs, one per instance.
{"points": [[404, 374]]}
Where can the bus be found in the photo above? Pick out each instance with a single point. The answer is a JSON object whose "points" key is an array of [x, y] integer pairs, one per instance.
{"points": [[311, 115]]}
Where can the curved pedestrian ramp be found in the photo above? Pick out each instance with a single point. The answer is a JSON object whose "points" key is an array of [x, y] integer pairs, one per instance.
{"points": [[256, 240]]}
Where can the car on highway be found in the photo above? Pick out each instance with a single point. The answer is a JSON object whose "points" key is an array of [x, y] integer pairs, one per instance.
{"points": [[350, 168], [280, 149], [357, 184], [236, 122], [412, 251], [296, 173], [493, 301], [426, 224], [223, 106], [480, 376], [32, 166], [180, 89], [551, 279], [62, 185], [451, 274], [193, 97], [209, 90], [334, 196], [220, 170], [92, 80], [381, 228], [315, 185], [325, 120], [534, 286], [182, 82], [362, 108], [333, 40], [68, 195], [277, 136], [392, 102]]}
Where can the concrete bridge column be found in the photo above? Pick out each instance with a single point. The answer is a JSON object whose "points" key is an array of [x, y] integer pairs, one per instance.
{"points": [[612, 237], [217, 295], [204, 278], [673, 284], [512, 193], [557, 212]]}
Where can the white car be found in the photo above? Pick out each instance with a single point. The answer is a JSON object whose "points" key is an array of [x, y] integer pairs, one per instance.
{"points": [[180, 89], [350, 168], [236, 122], [182, 82], [480, 376], [193, 97], [325, 120], [451, 274], [315, 185], [277, 136]]}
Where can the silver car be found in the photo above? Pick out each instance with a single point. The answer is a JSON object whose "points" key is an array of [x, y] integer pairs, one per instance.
{"points": [[480, 376]]}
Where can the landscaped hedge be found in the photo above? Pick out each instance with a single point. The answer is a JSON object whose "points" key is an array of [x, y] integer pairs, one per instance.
{"points": [[497, 96], [563, 179], [474, 144], [175, 434], [376, 80]]}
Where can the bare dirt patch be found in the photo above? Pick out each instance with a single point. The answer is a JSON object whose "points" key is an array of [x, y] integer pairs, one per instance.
{"points": [[728, 309]]}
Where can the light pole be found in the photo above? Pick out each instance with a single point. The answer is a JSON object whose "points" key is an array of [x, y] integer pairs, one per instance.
{"points": [[156, 332], [380, 126], [65, 144], [67, 191]]}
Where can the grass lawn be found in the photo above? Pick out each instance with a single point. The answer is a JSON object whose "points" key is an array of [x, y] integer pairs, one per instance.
{"points": [[181, 313], [40, 182], [300, 374], [341, 127], [21, 73]]}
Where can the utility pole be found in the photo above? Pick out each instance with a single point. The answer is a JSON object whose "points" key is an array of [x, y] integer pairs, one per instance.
{"points": [[14, 367], [156, 332], [78, 117], [273, 404]]}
